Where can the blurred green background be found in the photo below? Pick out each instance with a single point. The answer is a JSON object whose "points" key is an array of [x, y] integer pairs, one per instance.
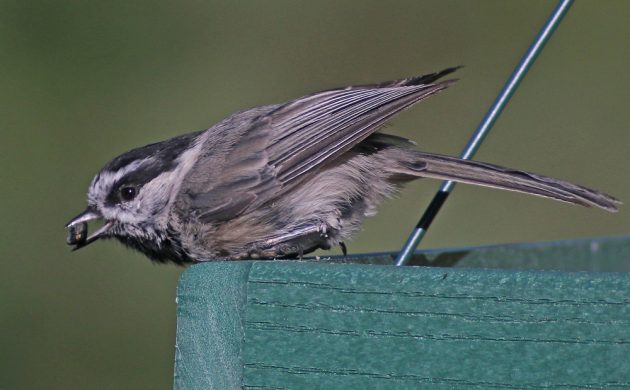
{"points": [[83, 81]]}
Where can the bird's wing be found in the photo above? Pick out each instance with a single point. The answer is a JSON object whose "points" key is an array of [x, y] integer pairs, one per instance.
{"points": [[230, 171], [283, 145], [316, 129]]}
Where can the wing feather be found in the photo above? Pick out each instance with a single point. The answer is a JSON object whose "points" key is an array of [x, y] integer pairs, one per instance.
{"points": [[337, 125]]}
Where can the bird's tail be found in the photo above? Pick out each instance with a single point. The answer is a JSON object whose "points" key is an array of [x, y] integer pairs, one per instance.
{"points": [[421, 164]]}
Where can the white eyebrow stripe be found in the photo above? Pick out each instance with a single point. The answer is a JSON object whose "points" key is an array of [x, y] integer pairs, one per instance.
{"points": [[102, 183]]}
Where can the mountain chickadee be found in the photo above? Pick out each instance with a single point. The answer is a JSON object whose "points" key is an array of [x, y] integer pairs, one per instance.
{"points": [[283, 180]]}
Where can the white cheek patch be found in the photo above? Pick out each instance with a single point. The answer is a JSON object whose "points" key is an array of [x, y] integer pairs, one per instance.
{"points": [[156, 196], [185, 163]]}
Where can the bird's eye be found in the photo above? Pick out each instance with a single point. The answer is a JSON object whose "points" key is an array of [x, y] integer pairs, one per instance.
{"points": [[128, 193]]}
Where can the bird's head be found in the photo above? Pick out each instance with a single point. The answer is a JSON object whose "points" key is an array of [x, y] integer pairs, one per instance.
{"points": [[131, 195]]}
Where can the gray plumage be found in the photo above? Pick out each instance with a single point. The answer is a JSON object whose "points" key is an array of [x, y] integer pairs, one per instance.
{"points": [[283, 180]]}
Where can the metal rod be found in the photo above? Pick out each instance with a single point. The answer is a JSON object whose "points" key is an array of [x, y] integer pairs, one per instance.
{"points": [[484, 127]]}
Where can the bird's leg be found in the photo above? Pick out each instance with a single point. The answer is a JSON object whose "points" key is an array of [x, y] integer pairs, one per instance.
{"points": [[344, 249]]}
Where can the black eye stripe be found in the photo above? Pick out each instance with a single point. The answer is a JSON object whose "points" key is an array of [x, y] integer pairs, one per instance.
{"points": [[137, 178], [157, 159]]}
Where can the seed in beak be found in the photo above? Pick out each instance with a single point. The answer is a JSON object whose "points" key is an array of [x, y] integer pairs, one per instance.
{"points": [[77, 234]]}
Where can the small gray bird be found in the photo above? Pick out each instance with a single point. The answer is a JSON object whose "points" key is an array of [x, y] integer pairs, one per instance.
{"points": [[283, 180]]}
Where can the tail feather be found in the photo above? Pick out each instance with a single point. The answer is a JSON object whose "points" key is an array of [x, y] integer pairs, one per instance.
{"points": [[483, 174]]}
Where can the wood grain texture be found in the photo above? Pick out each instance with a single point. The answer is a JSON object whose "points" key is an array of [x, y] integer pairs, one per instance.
{"points": [[294, 325], [350, 326], [209, 326]]}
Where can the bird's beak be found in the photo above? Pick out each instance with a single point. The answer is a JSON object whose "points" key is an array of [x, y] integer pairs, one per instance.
{"points": [[77, 228]]}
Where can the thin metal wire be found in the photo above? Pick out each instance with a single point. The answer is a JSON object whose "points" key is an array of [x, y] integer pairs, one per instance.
{"points": [[484, 127]]}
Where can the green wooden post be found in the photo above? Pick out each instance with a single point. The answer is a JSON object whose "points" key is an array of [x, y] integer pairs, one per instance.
{"points": [[210, 305], [307, 324]]}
